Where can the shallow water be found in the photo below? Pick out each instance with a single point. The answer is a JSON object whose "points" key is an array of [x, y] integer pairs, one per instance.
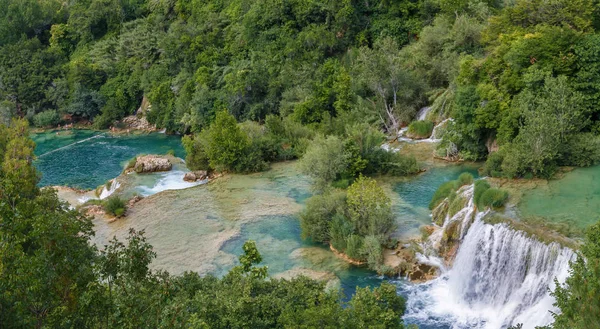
{"points": [[203, 228], [86, 159], [572, 200]]}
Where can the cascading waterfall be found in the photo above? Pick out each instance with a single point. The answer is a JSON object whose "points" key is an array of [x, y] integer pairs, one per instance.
{"points": [[422, 114], [500, 277], [114, 185]]}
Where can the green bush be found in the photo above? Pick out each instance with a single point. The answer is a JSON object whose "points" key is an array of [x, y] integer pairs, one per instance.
{"points": [[46, 119], [420, 129], [481, 186], [464, 179], [319, 211], [442, 192], [195, 149], [391, 163], [582, 150], [115, 206], [494, 198], [493, 164]]}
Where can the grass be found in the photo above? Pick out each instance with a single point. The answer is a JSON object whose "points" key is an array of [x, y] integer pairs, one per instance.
{"points": [[115, 206]]}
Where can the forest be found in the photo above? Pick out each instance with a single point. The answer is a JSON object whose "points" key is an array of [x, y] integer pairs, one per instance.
{"points": [[247, 83]]}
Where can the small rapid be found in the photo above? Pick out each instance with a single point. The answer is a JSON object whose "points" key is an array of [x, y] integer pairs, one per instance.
{"points": [[500, 277]]}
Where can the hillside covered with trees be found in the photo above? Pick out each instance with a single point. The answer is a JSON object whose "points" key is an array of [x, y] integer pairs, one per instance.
{"points": [[521, 77]]}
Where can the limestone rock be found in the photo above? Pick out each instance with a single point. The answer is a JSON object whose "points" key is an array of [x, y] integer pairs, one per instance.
{"points": [[138, 123], [134, 200], [152, 163], [195, 175]]}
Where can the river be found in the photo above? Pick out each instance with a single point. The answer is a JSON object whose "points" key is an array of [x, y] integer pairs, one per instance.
{"points": [[202, 228]]}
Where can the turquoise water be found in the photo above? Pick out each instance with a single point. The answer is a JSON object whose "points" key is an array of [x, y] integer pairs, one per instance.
{"points": [[86, 159], [572, 201], [182, 224]]}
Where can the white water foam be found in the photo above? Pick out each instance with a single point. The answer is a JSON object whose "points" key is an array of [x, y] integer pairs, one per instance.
{"points": [[500, 277], [171, 180], [422, 114], [108, 192]]}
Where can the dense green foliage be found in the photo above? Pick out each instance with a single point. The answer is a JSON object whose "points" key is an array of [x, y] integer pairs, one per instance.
{"points": [[96, 59], [534, 90], [357, 222], [332, 159], [523, 75], [51, 276], [577, 298]]}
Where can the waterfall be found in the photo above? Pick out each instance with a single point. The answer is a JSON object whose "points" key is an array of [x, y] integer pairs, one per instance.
{"points": [[170, 180], [500, 277], [422, 114], [108, 192], [434, 133]]}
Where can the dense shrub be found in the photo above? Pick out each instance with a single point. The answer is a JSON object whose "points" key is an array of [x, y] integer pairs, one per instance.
{"points": [[464, 179], [115, 206], [493, 164], [582, 150], [420, 129], [481, 186], [345, 219], [46, 119], [196, 158], [324, 160], [318, 213], [494, 198], [391, 163], [441, 193], [340, 229]]}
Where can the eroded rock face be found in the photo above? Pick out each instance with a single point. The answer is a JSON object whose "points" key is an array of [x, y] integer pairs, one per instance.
{"points": [[135, 123], [152, 163]]}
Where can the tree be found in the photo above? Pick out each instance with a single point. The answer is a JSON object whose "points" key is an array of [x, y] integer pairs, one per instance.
{"points": [[315, 220], [370, 209], [577, 298], [393, 91], [324, 160], [226, 142]]}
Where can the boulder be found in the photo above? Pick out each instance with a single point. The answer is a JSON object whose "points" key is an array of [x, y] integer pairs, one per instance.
{"points": [[152, 163], [189, 177], [195, 175]]}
